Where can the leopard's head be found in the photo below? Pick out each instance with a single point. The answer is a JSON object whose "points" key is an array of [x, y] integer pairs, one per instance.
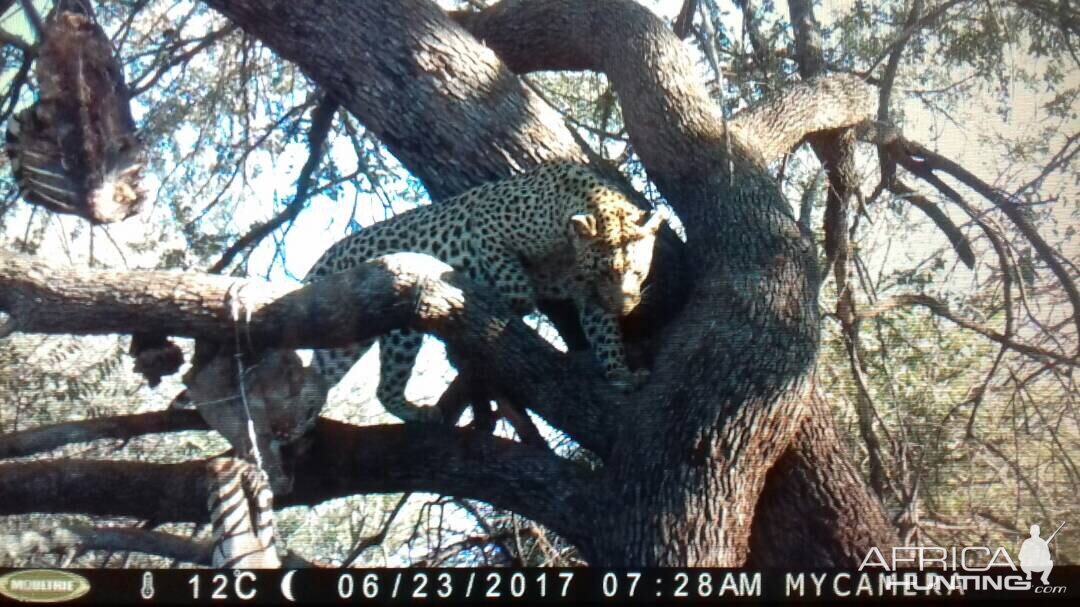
{"points": [[614, 252]]}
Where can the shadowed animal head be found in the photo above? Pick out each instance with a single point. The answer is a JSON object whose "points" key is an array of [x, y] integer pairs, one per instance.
{"points": [[614, 248]]}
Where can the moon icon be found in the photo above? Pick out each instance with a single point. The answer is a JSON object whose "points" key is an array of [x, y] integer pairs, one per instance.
{"points": [[286, 585]]}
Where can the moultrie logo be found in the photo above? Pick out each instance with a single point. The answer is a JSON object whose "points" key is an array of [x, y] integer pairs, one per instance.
{"points": [[43, 585]]}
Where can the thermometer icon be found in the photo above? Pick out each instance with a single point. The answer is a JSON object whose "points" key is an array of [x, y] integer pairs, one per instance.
{"points": [[147, 590]]}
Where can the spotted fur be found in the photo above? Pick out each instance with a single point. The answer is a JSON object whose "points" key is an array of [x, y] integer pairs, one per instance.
{"points": [[559, 232]]}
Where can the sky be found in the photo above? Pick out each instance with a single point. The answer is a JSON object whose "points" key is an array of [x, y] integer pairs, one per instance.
{"points": [[326, 220]]}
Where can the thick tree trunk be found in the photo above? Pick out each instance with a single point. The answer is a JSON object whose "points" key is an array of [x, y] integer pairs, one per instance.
{"points": [[686, 459], [690, 488], [444, 104], [815, 508], [690, 452]]}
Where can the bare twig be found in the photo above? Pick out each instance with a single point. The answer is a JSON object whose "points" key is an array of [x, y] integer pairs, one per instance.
{"points": [[959, 242], [939, 308], [377, 538], [146, 82], [1058, 160], [321, 121], [924, 162]]}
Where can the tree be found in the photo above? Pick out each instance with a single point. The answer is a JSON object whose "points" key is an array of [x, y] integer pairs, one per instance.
{"points": [[726, 456]]}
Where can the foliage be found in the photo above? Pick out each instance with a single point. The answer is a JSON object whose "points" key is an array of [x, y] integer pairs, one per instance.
{"points": [[978, 440]]}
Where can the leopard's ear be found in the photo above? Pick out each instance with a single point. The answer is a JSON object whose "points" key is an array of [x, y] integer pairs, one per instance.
{"points": [[584, 225]]}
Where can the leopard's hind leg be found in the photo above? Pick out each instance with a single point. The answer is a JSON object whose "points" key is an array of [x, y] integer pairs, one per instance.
{"points": [[397, 355]]}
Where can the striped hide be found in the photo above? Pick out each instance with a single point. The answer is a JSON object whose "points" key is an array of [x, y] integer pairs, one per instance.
{"points": [[241, 516], [75, 150]]}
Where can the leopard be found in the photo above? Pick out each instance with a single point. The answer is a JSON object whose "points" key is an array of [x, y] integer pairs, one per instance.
{"points": [[562, 231]]}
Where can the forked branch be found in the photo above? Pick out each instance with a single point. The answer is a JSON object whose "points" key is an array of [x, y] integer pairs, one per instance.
{"points": [[404, 290], [344, 460]]}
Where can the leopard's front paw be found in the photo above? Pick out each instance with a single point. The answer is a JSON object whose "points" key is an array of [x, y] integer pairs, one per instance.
{"points": [[627, 380], [427, 415], [409, 413]]}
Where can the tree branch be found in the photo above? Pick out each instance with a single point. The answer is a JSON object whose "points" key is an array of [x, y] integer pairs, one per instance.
{"points": [[922, 162], [941, 309], [403, 290], [959, 242], [322, 118], [485, 114], [36, 440], [344, 460], [895, 55], [828, 102]]}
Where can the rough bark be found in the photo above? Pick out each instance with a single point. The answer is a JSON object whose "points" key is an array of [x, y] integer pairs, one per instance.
{"points": [[815, 507], [403, 290], [444, 104], [652, 79], [343, 460], [685, 459]]}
